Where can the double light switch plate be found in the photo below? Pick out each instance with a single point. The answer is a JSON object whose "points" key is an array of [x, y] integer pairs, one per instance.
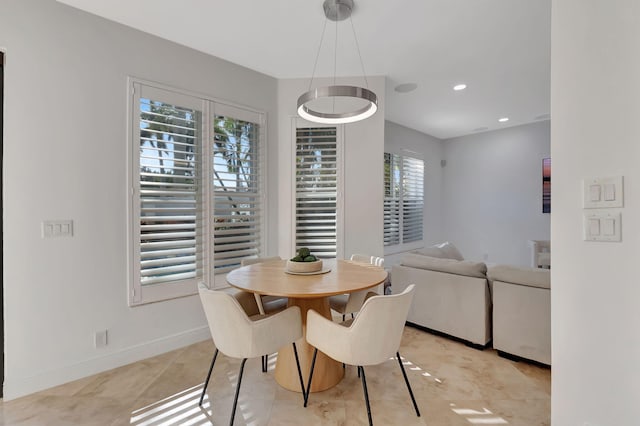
{"points": [[603, 192], [602, 226], [602, 199]]}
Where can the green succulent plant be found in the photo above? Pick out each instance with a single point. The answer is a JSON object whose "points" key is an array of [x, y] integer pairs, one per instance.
{"points": [[304, 255]]}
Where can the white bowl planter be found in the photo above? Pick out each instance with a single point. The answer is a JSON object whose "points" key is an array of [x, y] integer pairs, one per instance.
{"points": [[303, 267]]}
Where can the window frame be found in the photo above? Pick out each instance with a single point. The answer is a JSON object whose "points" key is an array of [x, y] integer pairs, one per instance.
{"points": [[402, 246], [137, 294], [296, 123]]}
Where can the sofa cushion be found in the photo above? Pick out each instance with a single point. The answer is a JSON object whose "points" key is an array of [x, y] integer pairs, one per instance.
{"points": [[444, 250], [432, 251], [532, 277], [450, 251], [452, 266]]}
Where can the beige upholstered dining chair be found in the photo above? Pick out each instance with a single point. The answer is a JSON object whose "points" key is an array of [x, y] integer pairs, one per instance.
{"points": [[372, 338], [266, 304], [250, 307], [350, 303], [237, 336]]}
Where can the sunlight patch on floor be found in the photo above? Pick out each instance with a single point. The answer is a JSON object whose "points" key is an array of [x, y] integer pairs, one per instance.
{"points": [[413, 367], [479, 417], [179, 409]]}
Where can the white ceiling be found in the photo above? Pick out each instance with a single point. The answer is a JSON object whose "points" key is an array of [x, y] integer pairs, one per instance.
{"points": [[499, 48]]}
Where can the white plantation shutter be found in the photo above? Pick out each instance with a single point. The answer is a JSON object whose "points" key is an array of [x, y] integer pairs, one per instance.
{"points": [[391, 199], [169, 192], [237, 199], [412, 199], [196, 200], [403, 199], [317, 190]]}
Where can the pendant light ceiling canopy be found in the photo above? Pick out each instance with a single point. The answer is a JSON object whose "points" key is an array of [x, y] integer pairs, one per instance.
{"points": [[337, 104]]}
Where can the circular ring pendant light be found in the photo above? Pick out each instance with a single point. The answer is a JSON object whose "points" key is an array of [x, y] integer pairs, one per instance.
{"points": [[341, 117], [338, 10]]}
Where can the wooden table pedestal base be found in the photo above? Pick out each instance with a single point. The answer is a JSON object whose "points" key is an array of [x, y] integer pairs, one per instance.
{"points": [[327, 372]]}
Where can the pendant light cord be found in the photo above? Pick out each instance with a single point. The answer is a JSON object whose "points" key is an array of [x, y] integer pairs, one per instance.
{"points": [[324, 27], [335, 55], [366, 82], [335, 63]]}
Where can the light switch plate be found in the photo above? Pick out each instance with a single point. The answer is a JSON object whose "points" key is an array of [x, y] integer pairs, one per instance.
{"points": [[602, 226], [57, 228], [602, 192]]}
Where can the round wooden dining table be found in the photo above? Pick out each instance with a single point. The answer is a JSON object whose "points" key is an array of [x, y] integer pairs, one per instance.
{"points": [[307, 292]]}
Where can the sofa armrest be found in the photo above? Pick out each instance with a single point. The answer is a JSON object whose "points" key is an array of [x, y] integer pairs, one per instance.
{"points": [[453, 304], [451, 266], [522, 321], [531, 277]]}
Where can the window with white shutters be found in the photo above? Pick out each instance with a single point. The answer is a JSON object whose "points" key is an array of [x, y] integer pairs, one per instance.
{"points": [[169, 192], [403, 199], [412, 199], [391, 199], [236, 168], [317, 183], [195, 206]]}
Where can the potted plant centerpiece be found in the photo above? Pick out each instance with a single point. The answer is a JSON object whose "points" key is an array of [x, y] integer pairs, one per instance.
{"points": [[304, 262]]}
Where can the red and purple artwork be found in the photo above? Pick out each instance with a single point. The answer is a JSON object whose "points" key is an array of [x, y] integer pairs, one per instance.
{"points": [[546, 185]]}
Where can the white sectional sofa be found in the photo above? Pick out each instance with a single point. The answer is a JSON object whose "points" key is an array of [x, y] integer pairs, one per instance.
{"points": [[507, 304]]}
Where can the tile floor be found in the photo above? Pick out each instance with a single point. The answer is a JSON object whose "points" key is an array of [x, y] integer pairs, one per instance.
{"points": [[453, 384]]}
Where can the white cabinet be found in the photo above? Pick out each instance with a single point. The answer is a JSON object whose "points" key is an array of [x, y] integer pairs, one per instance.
{"points": [[540, 253]]}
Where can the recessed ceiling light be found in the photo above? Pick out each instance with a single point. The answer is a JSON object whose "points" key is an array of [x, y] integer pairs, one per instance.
{"points": [[406, 87], [503, 119], [459, 87]]}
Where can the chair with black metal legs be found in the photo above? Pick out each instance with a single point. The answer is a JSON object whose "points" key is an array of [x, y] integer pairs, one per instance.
{"points": [[237, 336], [372, 338], [249, 304], [350, 303], [266, 304]]}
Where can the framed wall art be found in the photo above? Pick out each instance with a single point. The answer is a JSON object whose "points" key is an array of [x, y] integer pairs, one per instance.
{"points": [[546, 185]]}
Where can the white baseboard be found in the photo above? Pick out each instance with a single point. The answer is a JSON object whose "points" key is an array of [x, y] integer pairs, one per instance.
{"points": [[17, 387]]}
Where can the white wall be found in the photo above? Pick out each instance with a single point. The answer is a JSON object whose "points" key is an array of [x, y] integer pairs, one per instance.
{"points": [[65, 158], [405, 141], [363, 170], [492, 193], [595, 297]]}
